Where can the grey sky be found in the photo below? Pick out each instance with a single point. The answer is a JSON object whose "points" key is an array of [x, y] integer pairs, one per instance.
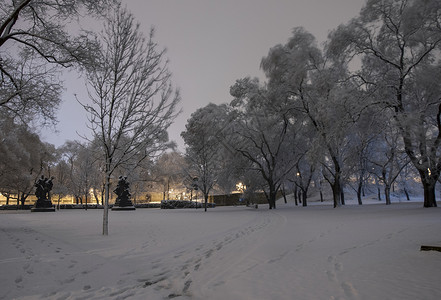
{"points": [[210, 44]]}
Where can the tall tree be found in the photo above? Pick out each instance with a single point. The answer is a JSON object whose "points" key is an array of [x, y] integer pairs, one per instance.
{"points": [[261, 133], [203, 137], [399, 44], [132, 99], [34, 43], [313, 86], [364, 137]]}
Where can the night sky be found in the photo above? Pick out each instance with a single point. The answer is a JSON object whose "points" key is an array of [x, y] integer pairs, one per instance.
{"points": [[210, 44]]}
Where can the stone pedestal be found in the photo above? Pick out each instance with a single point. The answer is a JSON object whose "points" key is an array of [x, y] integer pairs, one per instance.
{"points": [[123, 203], [43, 206], [117, 208]]}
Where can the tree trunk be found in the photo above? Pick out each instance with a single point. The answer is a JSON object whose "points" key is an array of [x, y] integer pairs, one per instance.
{"points": [[295, 196], [284, 195], [23, 199], [429, 179], [96, 197], [387, 193], [359, 191], [304, 195], [336, 193], [206, 200], [106, 207], [407, 194], [429, 194], [272, 198]]}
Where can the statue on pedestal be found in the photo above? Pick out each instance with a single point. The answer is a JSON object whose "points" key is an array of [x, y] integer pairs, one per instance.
{"points": [[122, 190], [43, 187]]}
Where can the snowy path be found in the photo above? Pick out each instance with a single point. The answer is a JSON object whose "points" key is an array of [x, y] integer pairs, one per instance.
{"points": [[317, 252]]}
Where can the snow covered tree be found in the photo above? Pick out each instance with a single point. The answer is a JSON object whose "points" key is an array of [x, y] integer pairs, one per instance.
{"points": [[61, 172], [35, 42], [363, 138], [83, 173], [203, 139], [23, 158], [261, 133], [168, 170], [314, 87], [399, 42], [388, 158], [132, 99]]}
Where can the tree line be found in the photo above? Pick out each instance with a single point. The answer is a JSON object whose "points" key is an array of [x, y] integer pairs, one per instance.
{"points": [[366, 103]]}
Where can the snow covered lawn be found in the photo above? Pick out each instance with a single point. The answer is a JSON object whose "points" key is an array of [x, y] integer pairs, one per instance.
{"points": [[314, 252]]}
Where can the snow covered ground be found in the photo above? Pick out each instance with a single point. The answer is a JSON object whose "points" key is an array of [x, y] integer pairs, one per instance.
{"points": [[314, 252]]}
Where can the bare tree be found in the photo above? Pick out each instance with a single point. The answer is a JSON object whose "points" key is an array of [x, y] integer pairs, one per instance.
{"points": [[132, 99], [34, 43]]}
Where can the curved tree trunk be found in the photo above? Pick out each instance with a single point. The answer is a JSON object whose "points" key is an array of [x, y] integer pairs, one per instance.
{"points": [[296, 196], [407, 194]]}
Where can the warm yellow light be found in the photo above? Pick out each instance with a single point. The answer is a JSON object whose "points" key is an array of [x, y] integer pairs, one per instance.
{"points": [[241, 187]]}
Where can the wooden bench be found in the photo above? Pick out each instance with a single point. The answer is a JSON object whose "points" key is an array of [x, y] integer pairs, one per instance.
{"points": [[430, 248]]}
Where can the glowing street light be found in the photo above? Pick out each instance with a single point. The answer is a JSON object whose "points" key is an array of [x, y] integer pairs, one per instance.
{"points": [[241, 187]]}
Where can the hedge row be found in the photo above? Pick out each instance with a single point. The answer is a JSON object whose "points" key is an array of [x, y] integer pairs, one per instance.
{"points": [[78, 206], [172, 204]]}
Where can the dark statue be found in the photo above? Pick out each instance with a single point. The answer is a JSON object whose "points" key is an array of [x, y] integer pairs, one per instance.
{"points": [[122, 190], [43, 187]]}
